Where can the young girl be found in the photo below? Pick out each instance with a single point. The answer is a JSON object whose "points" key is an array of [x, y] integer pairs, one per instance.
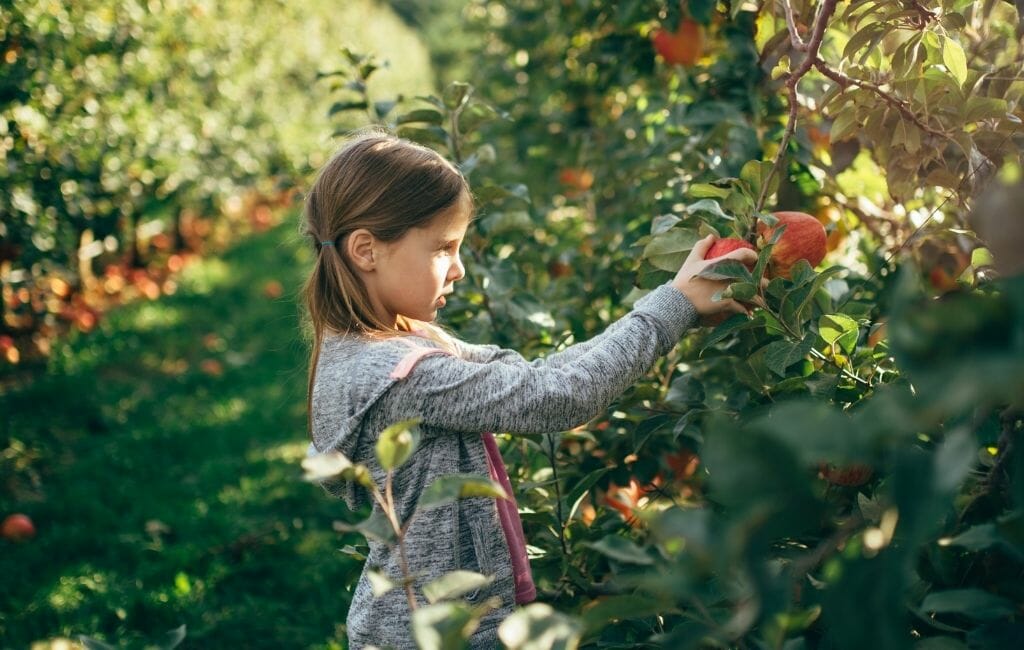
{"points": [[386, 218]]}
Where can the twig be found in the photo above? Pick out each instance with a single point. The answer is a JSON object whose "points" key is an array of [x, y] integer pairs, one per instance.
{"points": [[390, 512], [794, 36], [558, 493], [806, 563], [825, 11], [845, 81]]}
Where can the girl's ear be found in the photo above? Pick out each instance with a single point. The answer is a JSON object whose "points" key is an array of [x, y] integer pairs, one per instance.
{"points": [[359, 245]]}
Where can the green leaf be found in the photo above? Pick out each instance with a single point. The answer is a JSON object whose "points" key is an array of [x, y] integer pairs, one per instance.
{"points": [[384, 106], [981, 256], [742, 291], [668, 251], [976, 538], [973, 603], [862, 38], [397, 442], [443, 626], [455, 584], [334, 465], [456, 94], [818, 282], [612, 609], [710, 206], [453, 487], [585, 484], [429, 135], [726, 270], [376, 527], [706, 190], [323, 466], [735, 323], [428, 115], [492, 193], [953, 460], [985, 108], [782, 354], [93, 644], [539, 627], [620, 549], [173, 638], [339, 107], [380, 584], [954, 59], [839, 329], [755, 173], [845, 125]]}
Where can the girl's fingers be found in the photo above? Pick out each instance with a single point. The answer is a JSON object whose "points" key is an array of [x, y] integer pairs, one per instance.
{"points": [[700, 249], [742, 255]]}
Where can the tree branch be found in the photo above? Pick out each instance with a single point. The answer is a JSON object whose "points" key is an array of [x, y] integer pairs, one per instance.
{"points": [[845, 81], [825, 11], [794, 36]]}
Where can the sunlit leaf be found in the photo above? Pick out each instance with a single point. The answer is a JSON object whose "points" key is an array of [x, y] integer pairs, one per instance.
{"points": [[453, 487], [538, 626], [973, 603], [621, 549], [954, 59], [397, 442], [455, 584]]}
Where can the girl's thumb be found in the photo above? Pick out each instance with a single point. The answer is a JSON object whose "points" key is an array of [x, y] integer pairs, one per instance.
{"points": [[701, 248]]}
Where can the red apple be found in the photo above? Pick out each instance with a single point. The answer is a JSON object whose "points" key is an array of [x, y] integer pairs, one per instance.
{"points": [[681, 47], [725, 246], [803, 239], [18, 528]]}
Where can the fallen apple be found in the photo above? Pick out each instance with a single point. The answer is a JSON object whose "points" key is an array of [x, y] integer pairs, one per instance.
{"points": [[17, 528], [803, 239]]}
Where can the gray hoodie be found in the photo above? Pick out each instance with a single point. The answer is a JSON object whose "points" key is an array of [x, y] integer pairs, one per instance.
{"points": [[486, 388]]}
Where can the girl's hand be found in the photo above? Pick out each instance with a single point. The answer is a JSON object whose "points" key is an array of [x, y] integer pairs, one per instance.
{"points": [[700, 290]]}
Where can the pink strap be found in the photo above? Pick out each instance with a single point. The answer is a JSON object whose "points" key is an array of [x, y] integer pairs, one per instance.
{"points": [[508, 510], [409, 361], [511, 523]]}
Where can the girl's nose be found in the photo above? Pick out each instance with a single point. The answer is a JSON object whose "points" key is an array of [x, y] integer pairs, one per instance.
{"points": [[457, 271]]}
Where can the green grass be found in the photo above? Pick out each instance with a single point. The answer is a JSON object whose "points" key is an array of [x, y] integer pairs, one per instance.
{"points": [[166, 496]]}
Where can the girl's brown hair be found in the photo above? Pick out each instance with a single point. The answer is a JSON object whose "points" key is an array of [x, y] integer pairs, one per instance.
{"points": [[386, 185]]}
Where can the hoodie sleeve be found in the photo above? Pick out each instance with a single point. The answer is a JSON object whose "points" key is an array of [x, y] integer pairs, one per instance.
{"points": [[456, 394], [491, 353]]}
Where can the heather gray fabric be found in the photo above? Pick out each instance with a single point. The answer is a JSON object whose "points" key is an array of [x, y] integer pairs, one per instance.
{"points": [[487, 389]]}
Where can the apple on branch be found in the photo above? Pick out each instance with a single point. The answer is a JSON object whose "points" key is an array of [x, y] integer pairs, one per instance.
{"points": [[803, 238]]}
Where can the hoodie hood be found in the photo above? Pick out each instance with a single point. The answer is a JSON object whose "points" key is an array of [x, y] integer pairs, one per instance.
{"points": [[346, 386]]}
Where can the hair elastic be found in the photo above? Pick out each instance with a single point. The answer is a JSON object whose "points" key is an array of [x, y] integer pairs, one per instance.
{"points": [[327, 243]]}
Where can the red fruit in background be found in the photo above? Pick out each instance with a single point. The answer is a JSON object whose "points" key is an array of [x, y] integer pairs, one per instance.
{"points": [[681, 47], [211, 367], [803, 239], [848, 476], [18, 528], [273, 289], [725, 246], [576, 178], [683, 463]]}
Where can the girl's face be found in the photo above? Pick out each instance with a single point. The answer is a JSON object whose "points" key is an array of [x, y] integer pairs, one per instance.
{"points": [[415, 272]]}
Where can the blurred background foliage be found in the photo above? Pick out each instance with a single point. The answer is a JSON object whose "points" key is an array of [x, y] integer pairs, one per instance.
{"points": [[843, 470]]}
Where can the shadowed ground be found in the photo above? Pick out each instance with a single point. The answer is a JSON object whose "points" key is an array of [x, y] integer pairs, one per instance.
{"points": [[169, 488]]}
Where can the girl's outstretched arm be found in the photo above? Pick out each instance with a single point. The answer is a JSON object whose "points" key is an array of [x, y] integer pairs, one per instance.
{"points": [[453, 394]]}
